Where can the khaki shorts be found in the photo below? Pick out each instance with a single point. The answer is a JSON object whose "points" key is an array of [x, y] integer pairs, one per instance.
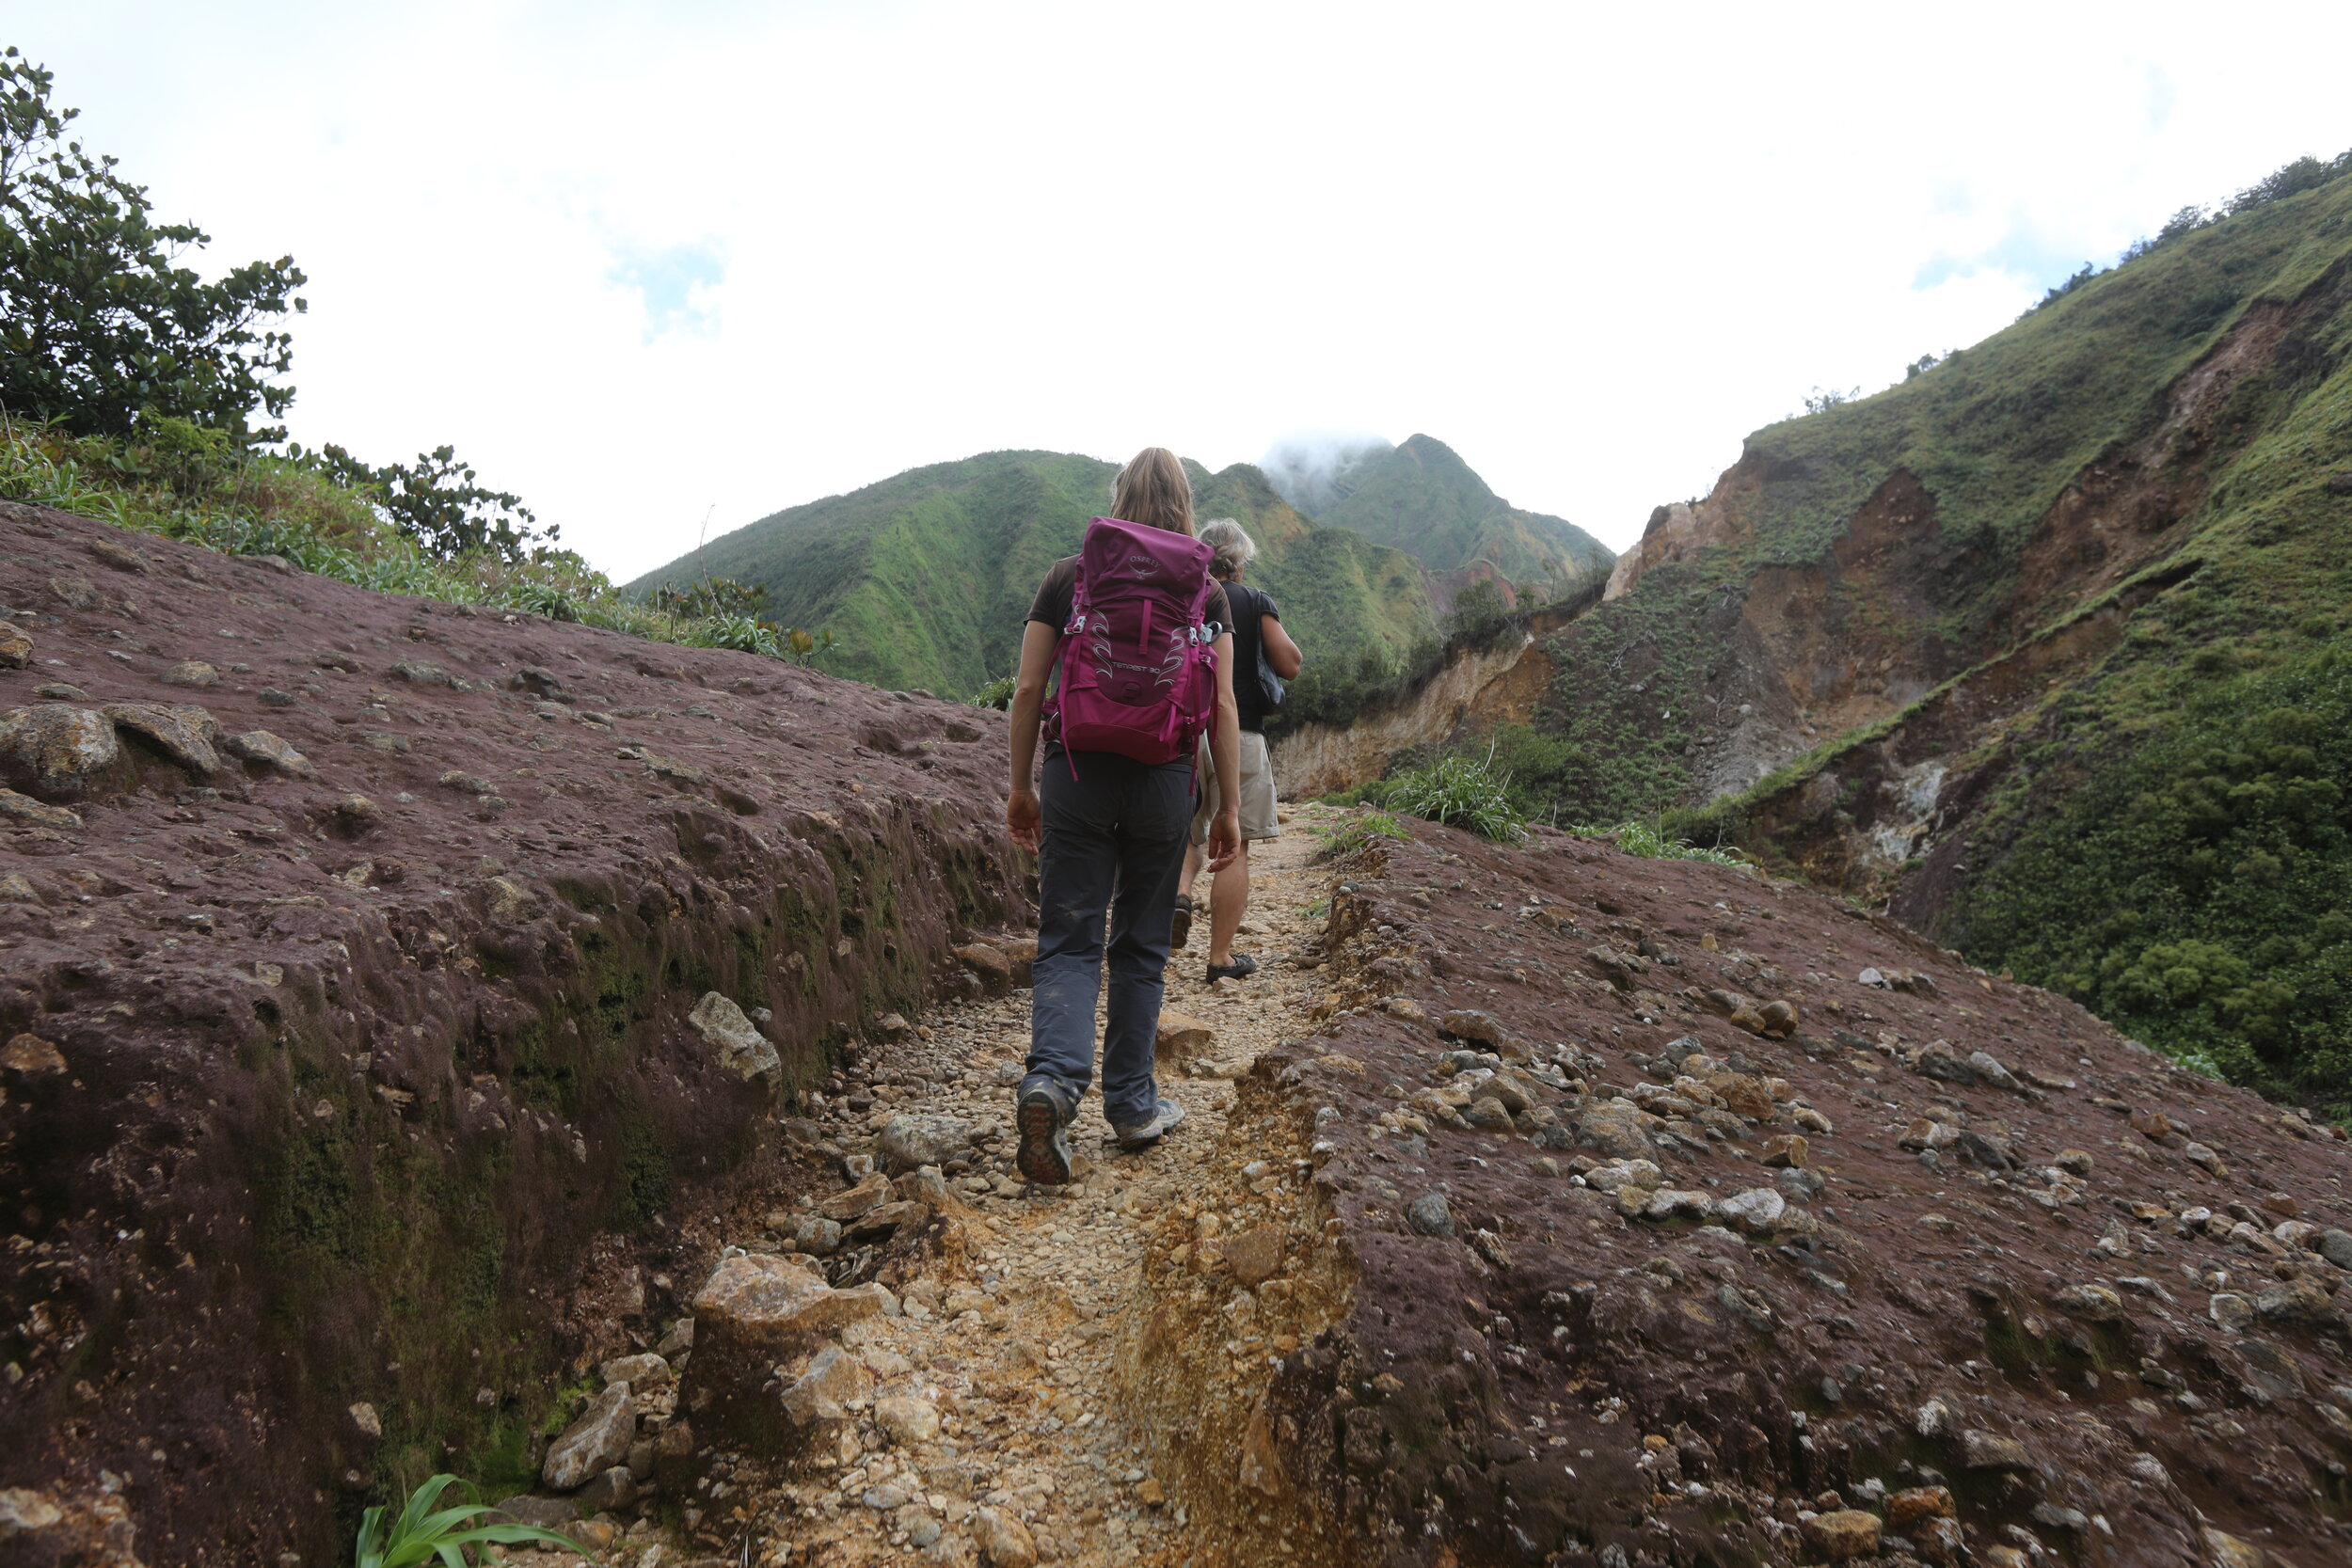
{"points": [[1257, 791]]}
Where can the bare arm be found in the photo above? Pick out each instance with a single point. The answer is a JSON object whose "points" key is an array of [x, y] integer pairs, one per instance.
{"points": [[1281, 651], [1225, 756], [1021, 817]]}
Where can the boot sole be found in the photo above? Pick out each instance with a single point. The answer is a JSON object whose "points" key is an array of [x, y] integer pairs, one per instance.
{"points": [[1180, 930], [1038, 1160]]}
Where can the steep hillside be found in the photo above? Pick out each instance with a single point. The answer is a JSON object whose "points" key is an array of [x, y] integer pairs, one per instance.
{"points": [[925, 579], [388, 988], [1423, 499], [2042, 643]]}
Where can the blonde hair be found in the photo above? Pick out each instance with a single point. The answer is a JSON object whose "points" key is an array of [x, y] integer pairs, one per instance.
{"points": [[1154, 492], [1234, 548]]}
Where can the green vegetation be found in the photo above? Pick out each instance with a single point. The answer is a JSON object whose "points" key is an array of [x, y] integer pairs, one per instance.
{"points": [[423, 1531], [1651, 841], [2197, 892], [1366, 830], [1456, 790], [185, 482], [98, 319], [1423, 499]]}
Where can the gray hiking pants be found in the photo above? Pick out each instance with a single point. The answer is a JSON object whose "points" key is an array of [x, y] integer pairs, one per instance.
{"points": [[1113, 840]]}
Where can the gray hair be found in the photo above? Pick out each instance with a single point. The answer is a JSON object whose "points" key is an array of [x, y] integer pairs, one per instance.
{"points": [[1234, 547]]}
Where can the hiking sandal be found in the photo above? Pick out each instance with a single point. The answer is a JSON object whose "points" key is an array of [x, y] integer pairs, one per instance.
{"points": [[1180, 929], [1241, 968]]}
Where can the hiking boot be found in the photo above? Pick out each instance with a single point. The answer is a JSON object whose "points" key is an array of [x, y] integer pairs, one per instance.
{"points": [[1043, 1156], [1180, 928], [1239, 967], [1165, 1114]]}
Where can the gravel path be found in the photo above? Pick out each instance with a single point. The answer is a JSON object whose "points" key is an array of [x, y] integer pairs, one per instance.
{"points": [[1010, 1334]]}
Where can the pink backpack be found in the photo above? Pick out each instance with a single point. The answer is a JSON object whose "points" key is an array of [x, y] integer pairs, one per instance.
{"points": [[1138, 675]]}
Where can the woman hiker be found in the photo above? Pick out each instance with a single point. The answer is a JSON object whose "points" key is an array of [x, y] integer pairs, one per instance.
{"points": [[1109, 826], [1257, 633]]}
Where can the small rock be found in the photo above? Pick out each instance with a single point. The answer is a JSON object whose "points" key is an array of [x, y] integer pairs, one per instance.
{"points": [[641, 1371], [1989, 1070], [16, 647], [885, 1219], [2092, 1303], [61, 691], [594, 1443], [1430, 1214], [1842, 1533], [16, 888], [848, 1204], [2336, 1246], [120, 557], [817, 1236], [420, 673], [1785, 1151], [909, 1143], [1254, 1255], [190, 672], [30, 1056], [2229, 1551], [907, 1421], [1680, 1203], [1779, 1020], [2074, 1162], [271, 697], [1756, 1211], [1151, 1494], [2282, 1205], [364, 1416], [741, 1049], [613, 1489], [823, 1392], [1985, 1451], [188, 736], [556, 1514], [2229, 1311], [1917, 1503], [1183, 1040], [260, 746], [1004, 1540], [467, 784], [990, 965], [2300, 1300]]}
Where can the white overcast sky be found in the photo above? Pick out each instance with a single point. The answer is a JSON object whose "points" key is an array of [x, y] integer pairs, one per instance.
{"points": [[648, 264]]}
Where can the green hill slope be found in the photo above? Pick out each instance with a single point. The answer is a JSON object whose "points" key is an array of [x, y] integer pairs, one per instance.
{"points": [[1423, 499], [2046, 645], [925, 579]]}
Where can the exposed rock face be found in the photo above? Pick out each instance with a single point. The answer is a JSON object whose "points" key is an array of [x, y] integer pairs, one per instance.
{"points": [[338, 1037], [753, 1312]]}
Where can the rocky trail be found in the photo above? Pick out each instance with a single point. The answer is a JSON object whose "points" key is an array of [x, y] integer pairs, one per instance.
{"points": [[976, 1408]]}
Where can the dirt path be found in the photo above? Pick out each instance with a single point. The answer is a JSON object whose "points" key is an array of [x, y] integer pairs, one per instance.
{"points": [[1013, 1341]]}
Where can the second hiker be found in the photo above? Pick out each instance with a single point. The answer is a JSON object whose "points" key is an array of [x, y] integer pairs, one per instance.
{"points": [[1264, 658]]}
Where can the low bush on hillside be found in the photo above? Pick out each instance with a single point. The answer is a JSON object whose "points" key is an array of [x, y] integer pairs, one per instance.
{"points": [[1650, 841], [1348, 837], [183, 482], [1456, 790]]}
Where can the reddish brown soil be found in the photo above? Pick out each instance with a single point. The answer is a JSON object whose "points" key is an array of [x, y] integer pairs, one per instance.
{"points": [[1549, 1383], [376, 1102]]}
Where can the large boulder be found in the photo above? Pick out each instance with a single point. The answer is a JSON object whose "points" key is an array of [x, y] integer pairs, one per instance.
{"points": [[738, 1044], [59, 752]]}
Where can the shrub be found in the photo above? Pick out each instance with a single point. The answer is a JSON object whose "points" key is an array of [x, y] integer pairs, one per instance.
{"points": [[1459, 792], [1365, 831], [996, 694], [1649, 841]]}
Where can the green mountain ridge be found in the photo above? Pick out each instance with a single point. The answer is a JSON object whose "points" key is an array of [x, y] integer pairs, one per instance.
{"points": [[2045, 647], [1422, 497], [925, 579]]}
